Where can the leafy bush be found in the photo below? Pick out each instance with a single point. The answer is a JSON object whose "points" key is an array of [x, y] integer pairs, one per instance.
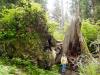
{"points": [[20, 30], [90, 32]]}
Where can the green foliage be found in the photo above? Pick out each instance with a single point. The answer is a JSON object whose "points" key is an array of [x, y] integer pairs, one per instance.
{"points": [[20, 29], [98, 23], [83, 6], [59, 36], [10, 70], [52, 26], [42, 2], [33, 70], [90, 69], [89, 30], [53, 29], [29, 67], [6, 69], [97, 10]]}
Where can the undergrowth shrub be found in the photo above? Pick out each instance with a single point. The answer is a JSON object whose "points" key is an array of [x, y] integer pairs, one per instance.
{"points": [[20, 31], [89, 69], [27, 66], [90, 32]]}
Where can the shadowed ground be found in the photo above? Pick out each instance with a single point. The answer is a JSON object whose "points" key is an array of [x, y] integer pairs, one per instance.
{"points": [[70, 73]]}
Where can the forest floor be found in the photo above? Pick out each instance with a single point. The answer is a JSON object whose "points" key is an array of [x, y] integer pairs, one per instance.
{"points": [[69, 72], [9, 70]]}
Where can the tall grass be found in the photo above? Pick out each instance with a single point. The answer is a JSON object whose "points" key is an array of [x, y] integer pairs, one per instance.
{"points": [[89, 69]]}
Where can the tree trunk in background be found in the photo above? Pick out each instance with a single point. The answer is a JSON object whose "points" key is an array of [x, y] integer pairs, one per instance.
{"points": [[74, 44], [96, 10], [57, 11], [42, 2], [91, 10]]}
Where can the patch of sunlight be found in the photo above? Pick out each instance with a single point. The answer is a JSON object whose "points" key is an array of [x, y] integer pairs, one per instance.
{"points": [[58, 36], [10, 70]]}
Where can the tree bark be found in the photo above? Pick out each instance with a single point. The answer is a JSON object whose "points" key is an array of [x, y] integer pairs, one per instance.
{"points": [[74, 43]]}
